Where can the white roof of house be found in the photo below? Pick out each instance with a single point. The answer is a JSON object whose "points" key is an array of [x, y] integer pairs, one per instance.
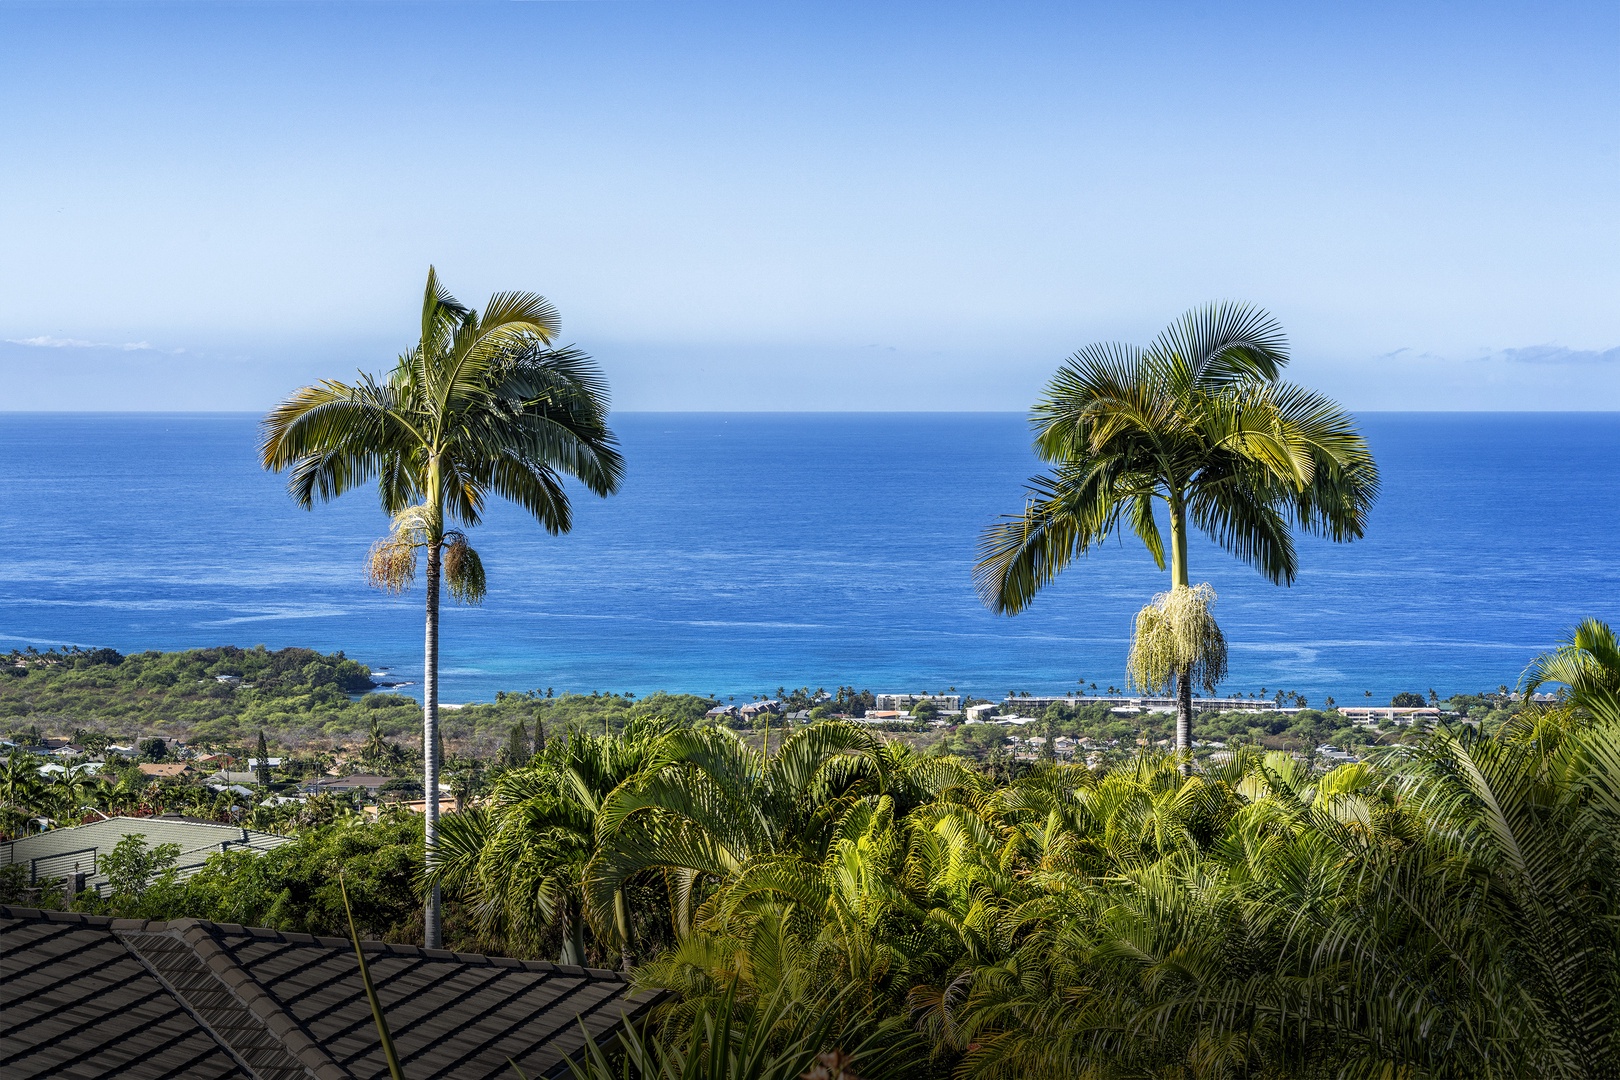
{"points": [[61, 852]]}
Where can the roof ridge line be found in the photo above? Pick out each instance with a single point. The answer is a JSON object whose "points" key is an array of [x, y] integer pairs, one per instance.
{"points": [[180, 1000], [261, 1003]]}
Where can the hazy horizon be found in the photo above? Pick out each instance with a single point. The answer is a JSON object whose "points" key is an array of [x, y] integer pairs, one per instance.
{"points": [[819, 206], [780, 412]]}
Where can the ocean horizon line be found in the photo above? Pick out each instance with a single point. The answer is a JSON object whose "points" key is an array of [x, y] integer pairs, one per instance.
{"points": [[806, 412]]}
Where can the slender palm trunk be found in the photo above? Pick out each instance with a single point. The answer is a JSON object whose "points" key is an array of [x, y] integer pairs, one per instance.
{"points": [[573, 943], [433, 937], [1179, 580]]}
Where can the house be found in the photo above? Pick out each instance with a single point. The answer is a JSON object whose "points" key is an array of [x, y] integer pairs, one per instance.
{"points": [[165, 770], [91, 996], [1148, 704], [66, 854], [758, 708], [1399, 715], [228, 776], [946, 703], [86, 768], [722, 710], [976, 713], [370, 783], [447, 805]]}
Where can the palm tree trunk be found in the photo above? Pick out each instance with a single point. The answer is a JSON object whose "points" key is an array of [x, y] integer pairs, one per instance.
{"points": [[573, 943], [433, 938], [1179, 580]]}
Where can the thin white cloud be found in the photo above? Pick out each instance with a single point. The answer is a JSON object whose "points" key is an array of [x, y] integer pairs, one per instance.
{"points": [[1530, 354], [46, 342], [1406, 352], [1557, 354]]}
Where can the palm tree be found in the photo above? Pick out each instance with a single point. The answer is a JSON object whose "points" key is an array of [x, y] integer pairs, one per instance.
{"points": [[483, 404], [1589, 665], [519, 860], [708, 806], [68, 792], [21, 790], [1200, 422]]}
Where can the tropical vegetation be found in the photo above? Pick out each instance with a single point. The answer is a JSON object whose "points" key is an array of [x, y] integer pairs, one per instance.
{"points": [[1447, 906], [307, 703], [1200, 427], [221, 694], [1448, 909]]}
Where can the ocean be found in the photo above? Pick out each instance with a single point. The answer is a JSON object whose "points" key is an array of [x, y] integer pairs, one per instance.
{"points": [[748, 552]]}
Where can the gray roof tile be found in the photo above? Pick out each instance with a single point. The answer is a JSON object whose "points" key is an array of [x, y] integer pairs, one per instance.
{"points": [[93, 997]]}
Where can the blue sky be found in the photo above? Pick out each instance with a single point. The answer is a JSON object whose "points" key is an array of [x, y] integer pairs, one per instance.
{"points": [[810, 206]]}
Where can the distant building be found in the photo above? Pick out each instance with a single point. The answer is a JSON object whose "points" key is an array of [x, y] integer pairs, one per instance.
{"points": [[66, 853], [447, 805], [1398, 715], [759, 708], [978, 712], [1148, 704], [165, 770], [87, 768], [370, 783], [229, 776], [945, 703], [722, 710]]}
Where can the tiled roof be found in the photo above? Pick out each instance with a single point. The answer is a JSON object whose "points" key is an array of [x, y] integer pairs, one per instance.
{"points": [[347, 783], [85, 996]]}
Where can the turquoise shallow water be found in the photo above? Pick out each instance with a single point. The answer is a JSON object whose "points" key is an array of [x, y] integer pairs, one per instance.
{"points": [[752, 551]]}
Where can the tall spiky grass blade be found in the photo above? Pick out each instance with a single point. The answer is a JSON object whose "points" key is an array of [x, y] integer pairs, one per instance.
{"points": [[394, 1069]]}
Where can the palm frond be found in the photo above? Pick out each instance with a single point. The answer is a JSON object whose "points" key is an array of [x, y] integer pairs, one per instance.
{"points": [[1221, 344]]}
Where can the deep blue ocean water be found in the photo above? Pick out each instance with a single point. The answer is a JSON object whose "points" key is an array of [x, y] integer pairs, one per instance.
{"points": [[752, 551]]}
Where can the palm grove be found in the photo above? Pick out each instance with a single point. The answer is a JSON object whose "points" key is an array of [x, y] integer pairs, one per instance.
{"points": [[838, 901]]}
